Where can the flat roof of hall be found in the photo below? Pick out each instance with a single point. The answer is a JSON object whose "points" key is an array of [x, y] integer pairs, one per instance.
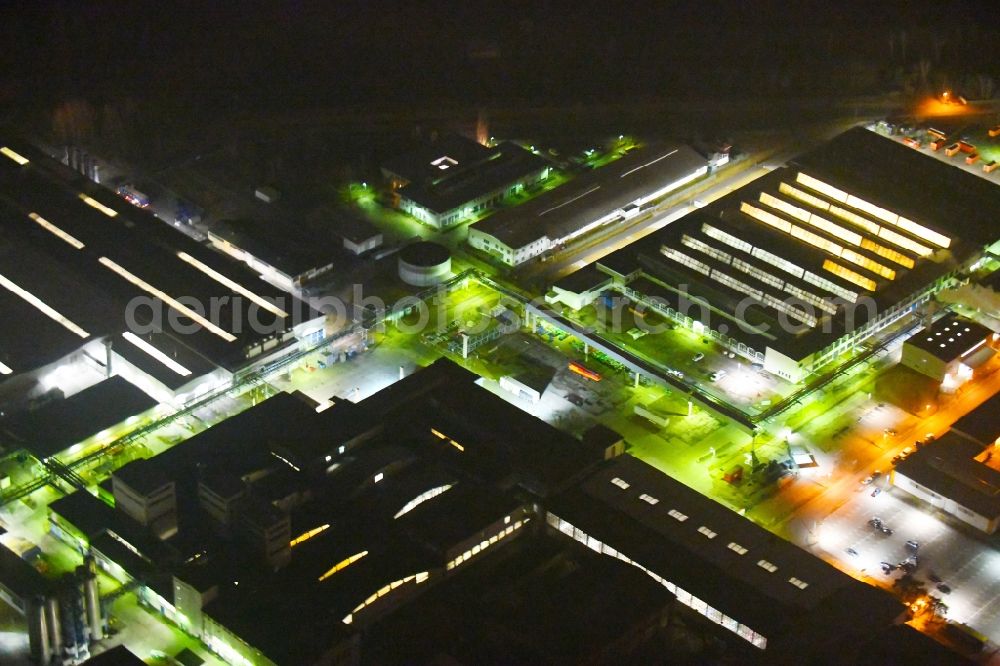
{"points": [[981, 424], [724, 226], [88, 254], [59, 424], [950, 337], [916, 185], [448, 189], [590, 196], [948, 467], [295, 244], [425, 161], [547, 600], [239, 443], [696, 543], [20, 577]]}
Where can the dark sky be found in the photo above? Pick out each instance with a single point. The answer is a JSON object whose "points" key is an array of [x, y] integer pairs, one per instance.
{"points": [[302, 54]]}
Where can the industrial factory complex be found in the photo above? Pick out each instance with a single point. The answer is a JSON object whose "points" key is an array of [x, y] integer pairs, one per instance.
{"points": [[91, 280], [185, 440], [287, 536], [804, 264]]}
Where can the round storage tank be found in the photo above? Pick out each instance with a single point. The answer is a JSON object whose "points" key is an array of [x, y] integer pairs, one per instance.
{"points": [[424, 264]]}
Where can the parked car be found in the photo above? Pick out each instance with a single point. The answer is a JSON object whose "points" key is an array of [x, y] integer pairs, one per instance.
{"points": [[868, 480], [698, 357]]}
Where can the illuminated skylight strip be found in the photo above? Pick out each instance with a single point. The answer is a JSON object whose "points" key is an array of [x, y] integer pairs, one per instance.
{"points": [[904, 242], [441, 435], [20, 159], [94, 203], [766, 217], [737, 285], [811, 298], [855, 219], [421, 498], [643, 166], [156, 353], [831, 287], [818, 241], [235, 286], [877, 212], [834, 229], [6, 369], [865, 262], [41, 306], [849, 275], [172, 302], [684, 259], [798, 313], [803, 196], [763, 276], [923, 232], [728, 239], [305, 536], [343, 564], [705, 248], [778, 262], [51, 228], [821, 187], [785, 207], [566, 203], [887, 253], [286, 461]]}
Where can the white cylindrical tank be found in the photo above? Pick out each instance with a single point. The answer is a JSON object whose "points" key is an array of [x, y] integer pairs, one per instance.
{"points": [[424, 264], [54, 625], [92, 601], [38, 632]]}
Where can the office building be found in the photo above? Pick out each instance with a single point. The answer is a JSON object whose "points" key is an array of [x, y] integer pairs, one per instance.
{"points": [[452, 179]]}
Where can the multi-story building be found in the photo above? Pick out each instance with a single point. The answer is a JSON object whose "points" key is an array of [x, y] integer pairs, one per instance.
{"points": [[453, 179]]}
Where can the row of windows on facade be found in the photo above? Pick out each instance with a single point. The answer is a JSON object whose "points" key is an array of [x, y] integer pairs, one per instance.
{"points": [[683, 596], [689, 323], [706, 531]]}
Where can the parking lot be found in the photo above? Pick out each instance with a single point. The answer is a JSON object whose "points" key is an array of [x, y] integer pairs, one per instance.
{"points": [[964, 562]]}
